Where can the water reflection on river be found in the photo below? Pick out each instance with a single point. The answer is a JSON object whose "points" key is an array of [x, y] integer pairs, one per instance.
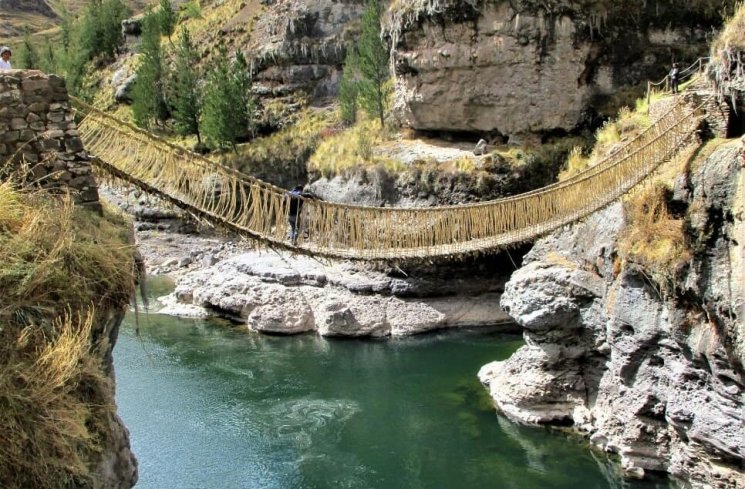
{"points": [[209, 406]]}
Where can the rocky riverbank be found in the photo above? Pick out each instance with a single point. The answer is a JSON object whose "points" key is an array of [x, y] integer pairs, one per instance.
{"points": [[653, 376], [275, 292]]}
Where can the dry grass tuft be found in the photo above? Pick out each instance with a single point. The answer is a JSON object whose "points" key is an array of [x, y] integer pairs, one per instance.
{"points": [[49, 382], [352, 148], [726, 65], [653, 239], [54, 255], [609, 138], [576, 162], [63, 271]]}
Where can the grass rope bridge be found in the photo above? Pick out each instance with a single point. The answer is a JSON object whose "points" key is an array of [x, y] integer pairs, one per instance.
{"points": [[260, 210]]}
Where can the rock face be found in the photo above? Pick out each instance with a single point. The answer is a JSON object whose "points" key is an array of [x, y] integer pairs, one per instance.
{"points": [[657, 380], [116, 467], [281, 294], [525, 67], [302, 45]]}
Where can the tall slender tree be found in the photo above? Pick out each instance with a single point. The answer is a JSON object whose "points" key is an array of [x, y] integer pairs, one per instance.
{"points": [[148, 100], [227, 107], [185, 97], [369, 62], [348, 92], [167, 18], [28, 57]]}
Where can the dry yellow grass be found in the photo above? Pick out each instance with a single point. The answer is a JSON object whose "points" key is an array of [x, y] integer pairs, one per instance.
{"points": [[352, 148], [63, 271], [653, 239], [53, 391], [611, 136], [732, 37]]}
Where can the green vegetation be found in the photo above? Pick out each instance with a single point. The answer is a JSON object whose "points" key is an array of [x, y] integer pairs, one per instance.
{"points": [[94, 37], [148, 92], [27, 56], [100, 31], [167, 18], [285, 152], [185, 95], [64, 271], [227, 111], [366, 77]]}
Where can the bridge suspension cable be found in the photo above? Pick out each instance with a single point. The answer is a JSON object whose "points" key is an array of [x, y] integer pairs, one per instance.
{"points": [[260, 210]]}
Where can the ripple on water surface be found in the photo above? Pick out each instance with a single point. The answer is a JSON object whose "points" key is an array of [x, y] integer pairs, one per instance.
{"points": [[212, 407]]}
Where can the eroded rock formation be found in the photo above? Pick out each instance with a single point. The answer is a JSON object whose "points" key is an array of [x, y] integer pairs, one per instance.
{"points": [[278, 293], [302, 45], [656, 378], [525, 68]]}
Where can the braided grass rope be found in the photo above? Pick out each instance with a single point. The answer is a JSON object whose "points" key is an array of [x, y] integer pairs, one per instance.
{"points": [[260, 210]]}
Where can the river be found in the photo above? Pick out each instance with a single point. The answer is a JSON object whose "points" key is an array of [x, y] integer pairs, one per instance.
{"points": [[210, 406]]}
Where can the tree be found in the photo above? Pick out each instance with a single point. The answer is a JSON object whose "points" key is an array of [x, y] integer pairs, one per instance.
{"points": [[369, 63], [227, 105], [185, 94], [100, 30], [167, 18], [47, 58], [348, 92], [148, 100], [28, 57]]}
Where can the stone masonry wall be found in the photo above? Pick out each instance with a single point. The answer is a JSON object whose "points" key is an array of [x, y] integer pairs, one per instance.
{"points": [[37, 131]]}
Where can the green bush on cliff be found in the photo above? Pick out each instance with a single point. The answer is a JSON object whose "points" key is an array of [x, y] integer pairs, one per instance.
{"points": [[63, 271]]}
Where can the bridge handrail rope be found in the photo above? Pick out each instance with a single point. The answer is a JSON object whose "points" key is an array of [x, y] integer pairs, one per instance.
{"points": [[697, 67], [209, 164], [260, 210]]}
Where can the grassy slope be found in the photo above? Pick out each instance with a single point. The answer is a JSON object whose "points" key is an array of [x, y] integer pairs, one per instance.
{"points": [[63, 271]]}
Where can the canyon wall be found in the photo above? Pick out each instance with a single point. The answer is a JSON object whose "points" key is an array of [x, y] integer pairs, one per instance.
{"points": [[524, 69], [650, 373]]}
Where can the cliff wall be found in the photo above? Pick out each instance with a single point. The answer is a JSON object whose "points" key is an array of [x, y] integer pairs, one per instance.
{"points": [[66, 278], [524, 68], [649, 369]]}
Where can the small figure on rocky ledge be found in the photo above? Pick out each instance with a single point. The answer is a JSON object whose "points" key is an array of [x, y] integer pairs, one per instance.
{"points": [[674, 78], [5, 55], [480, 148]]}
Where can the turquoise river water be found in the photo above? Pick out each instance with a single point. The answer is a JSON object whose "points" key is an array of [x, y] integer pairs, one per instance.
{"points": [[209, 406]]}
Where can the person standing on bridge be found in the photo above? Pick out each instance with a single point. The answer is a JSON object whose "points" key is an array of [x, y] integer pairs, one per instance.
{"points": [[674, 78], [5, 55], [293, 217]]}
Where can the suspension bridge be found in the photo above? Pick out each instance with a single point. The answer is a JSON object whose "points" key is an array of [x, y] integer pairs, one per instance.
{"points": [[260, 211]]}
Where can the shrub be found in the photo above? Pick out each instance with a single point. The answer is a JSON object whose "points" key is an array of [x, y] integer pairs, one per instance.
{"points": [[653, 240]]}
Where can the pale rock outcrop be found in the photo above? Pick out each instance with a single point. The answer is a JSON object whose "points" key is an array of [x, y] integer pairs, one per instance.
{"points": [[658, 380], [279, 293], [524, 67]]}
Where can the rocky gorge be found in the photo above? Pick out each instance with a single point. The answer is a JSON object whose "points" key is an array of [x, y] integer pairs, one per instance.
{"points": [[654, 376]]}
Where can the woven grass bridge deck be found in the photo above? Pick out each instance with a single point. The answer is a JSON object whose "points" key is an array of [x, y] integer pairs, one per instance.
{"points": [[260, 211]]}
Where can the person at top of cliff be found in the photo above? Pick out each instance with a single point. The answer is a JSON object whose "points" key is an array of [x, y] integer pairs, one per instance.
{"points": [[674, 78], [5, 55]]}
